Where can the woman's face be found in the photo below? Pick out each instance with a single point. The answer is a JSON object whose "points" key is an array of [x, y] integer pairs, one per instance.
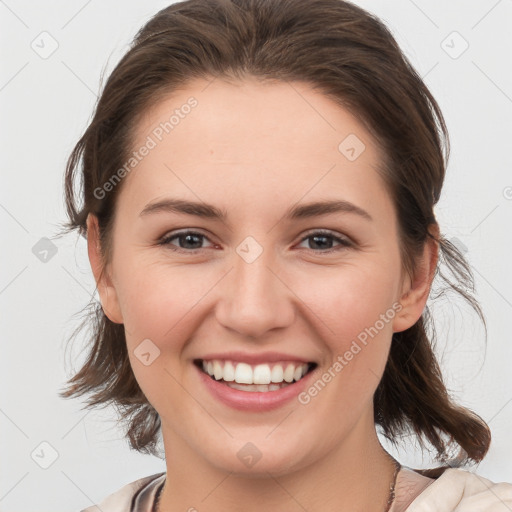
{"points": [[259, 285]]}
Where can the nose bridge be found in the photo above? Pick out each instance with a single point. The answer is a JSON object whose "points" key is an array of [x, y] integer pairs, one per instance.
{"points": [[252, 267], [254, 299]]}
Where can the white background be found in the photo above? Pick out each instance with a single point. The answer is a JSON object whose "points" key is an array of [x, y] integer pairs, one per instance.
{"points": [[45, 106]]}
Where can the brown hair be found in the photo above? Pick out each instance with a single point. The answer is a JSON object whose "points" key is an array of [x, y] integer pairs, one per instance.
{"points": [[351, 57]]}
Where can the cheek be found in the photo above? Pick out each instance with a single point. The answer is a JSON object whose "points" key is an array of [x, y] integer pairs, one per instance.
{"points": [[161, 303], [353, 316], [352, 299], [157, 299]]}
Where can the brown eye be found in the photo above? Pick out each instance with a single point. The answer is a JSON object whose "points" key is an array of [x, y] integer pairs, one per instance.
{"points": [[188, 241], [322, 240]]}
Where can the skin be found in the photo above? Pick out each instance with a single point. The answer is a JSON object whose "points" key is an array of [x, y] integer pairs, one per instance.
{"points": [[254, 150]]}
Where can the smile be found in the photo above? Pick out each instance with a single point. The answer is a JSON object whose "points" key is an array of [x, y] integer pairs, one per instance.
{"points": [[261, 377]]}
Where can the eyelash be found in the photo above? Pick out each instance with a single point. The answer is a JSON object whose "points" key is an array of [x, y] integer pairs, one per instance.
{"points": [[344, 243]]}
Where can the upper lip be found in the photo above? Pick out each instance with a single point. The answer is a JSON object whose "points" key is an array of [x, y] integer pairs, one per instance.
{"points": [[259, 358]]}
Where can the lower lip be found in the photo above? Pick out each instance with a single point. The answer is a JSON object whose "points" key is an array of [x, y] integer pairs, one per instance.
{"points": [[256, 401]]}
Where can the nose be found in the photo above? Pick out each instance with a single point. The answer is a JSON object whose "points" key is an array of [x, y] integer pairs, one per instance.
{"points": [[254, 297]]}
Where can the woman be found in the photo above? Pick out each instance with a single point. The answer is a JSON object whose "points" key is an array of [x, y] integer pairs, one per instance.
{"points": [[295, 148]]}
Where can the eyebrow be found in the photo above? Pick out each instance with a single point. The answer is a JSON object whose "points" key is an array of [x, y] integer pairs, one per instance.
{"points": [[208, 211]]}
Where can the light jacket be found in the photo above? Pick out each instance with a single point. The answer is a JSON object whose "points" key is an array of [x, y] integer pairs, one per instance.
{"points": [[456, 490]]}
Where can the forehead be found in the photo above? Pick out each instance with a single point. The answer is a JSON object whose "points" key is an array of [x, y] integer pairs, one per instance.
{"points": [[253, 113], [280, 141]]}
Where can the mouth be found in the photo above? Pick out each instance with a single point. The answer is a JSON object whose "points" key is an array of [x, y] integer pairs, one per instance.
{"points": [[266, 377]]}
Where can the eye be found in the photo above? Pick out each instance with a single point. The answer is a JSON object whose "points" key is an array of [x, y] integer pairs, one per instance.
{"points": [[319, 239], [186, 238]]}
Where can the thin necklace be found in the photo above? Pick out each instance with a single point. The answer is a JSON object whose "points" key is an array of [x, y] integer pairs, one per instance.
{"points": [[391, 496]]}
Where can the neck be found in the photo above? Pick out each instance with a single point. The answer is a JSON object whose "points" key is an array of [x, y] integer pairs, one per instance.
{"points": [[355, 477]]}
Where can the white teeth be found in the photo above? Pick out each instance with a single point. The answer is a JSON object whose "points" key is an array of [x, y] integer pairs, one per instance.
{"points": [[288, 373], [229, 372], [277, 373], [217, 370], [243, 374], [259, 375], [256, 387]]}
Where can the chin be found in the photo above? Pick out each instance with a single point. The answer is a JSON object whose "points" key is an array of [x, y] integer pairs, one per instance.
{"points": [[258, 459]]}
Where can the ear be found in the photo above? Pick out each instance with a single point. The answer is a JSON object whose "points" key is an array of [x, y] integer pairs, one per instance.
{"points": [[415, 291], [104, 285]]}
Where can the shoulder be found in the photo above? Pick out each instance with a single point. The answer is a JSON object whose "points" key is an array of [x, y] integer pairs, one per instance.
{"points": [[463, 491], [132, 497]]}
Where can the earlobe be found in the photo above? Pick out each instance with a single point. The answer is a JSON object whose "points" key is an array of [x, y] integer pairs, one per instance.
{"points": [[106, 289], [416, 290]]}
